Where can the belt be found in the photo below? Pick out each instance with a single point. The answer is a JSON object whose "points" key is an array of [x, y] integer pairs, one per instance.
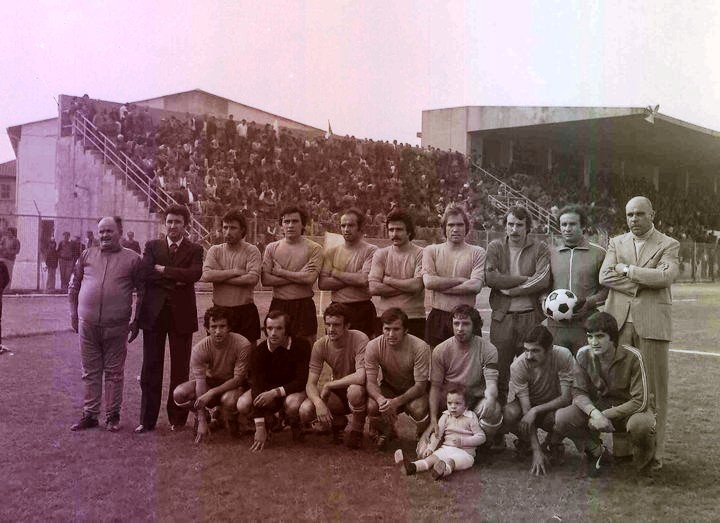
{"points": [[517, 313]]}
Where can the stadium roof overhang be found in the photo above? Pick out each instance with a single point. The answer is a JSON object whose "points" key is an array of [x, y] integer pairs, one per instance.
{"points": [[668, 142]]}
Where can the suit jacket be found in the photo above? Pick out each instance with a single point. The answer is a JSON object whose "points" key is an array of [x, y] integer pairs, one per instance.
{"points": [[176, 284], [645, 291]]}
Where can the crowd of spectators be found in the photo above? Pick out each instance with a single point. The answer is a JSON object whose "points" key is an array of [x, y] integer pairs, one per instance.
{"points": [[686, 215], [210, 164]]}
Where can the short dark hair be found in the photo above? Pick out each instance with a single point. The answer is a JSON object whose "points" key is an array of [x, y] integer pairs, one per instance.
{"points": [[576, 209], [215, 313], [467, 311], [275, 314], [180, 210], [521, 213], [541, 335], [603, 322], [394, 314], [399, 215], [454, 209], [338, 309], [290, 209], [118, 222], [357, 212], [456, 388], [234, 215]]}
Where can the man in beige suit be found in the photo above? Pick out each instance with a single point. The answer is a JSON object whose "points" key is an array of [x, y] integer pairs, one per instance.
{"points": [[639, 269]]}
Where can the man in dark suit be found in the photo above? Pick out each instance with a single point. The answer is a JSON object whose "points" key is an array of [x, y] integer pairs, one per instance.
{"points": [[172, 266]]}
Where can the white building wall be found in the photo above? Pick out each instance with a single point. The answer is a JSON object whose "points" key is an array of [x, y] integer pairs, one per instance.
{"points": [[446, 129], [35, 187]]}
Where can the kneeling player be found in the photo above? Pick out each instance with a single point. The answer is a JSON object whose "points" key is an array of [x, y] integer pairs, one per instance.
{"points": [[405, 364], [459, 433], [540, 383], [278, 370], [610, 394], [344, 351], [218, 367]]}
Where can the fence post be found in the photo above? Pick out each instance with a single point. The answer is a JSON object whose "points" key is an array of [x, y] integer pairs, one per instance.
{"points": [[39, 253]]}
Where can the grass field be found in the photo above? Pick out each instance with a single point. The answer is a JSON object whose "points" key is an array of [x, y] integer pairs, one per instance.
{"points": [[50, 473]]}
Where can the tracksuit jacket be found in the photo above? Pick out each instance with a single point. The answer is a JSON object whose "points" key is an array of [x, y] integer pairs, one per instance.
{"points": [[624, 394], [534, 262]]}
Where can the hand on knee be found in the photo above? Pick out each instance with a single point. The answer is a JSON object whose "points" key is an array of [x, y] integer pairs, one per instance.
{"points": [[307, 411]]}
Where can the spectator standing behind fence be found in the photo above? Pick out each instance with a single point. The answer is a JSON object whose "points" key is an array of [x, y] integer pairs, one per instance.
{"points": [[4, 279], [66, 260], [91, 240], [51, 264], [9, 249], [131, 243], [101, 294]]}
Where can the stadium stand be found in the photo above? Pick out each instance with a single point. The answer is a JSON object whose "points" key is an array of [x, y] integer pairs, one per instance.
{"points": [[210, 164]]}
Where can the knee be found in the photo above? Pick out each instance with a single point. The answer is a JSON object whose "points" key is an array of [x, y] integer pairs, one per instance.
{"points": [[565, 419], [511, 414], [419, 408], [307, 411], [244, 404], [372, 408], [493, 415], [640, 426], [229, 400], [114, 375], [356, 396], [292, 403], [183, 393]]}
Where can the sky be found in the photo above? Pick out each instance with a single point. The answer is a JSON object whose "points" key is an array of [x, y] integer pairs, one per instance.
{"points": [[370, 67]]}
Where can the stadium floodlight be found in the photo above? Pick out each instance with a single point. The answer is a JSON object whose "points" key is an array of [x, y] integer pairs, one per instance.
{"points": [[650, 113]]}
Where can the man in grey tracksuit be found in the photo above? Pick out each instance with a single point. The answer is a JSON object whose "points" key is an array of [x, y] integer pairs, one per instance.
{"points": [[101, 294]]}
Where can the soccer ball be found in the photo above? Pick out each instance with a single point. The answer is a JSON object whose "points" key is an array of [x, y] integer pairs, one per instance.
{"points": [[559, 304]]}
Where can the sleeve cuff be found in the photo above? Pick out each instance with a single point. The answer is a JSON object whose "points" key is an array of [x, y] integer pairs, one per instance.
{"points": [[282, 391]]}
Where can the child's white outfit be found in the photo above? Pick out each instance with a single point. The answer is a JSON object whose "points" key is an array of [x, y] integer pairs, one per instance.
{"points": [[467, 426]]}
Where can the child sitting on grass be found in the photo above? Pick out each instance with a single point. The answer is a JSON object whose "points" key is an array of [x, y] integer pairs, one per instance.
{"points": [[459, 432]]}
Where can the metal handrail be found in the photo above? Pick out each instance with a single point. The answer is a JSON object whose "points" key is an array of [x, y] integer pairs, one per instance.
{"points": [[535, 210], [155, 195]]}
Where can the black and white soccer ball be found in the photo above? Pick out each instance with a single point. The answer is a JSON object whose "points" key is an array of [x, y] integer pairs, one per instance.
{"points": [[559, 304]]}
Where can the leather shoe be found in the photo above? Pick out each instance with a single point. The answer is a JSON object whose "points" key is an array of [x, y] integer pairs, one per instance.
{"points": [[141, 429]]}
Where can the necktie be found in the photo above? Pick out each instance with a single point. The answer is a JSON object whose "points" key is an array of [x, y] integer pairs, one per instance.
{"points": [[173, 251]]}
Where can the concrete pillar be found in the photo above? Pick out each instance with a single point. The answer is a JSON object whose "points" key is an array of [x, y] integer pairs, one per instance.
{"points": [[549, 159], [479, 150], [656, 177], [587, 166]]}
